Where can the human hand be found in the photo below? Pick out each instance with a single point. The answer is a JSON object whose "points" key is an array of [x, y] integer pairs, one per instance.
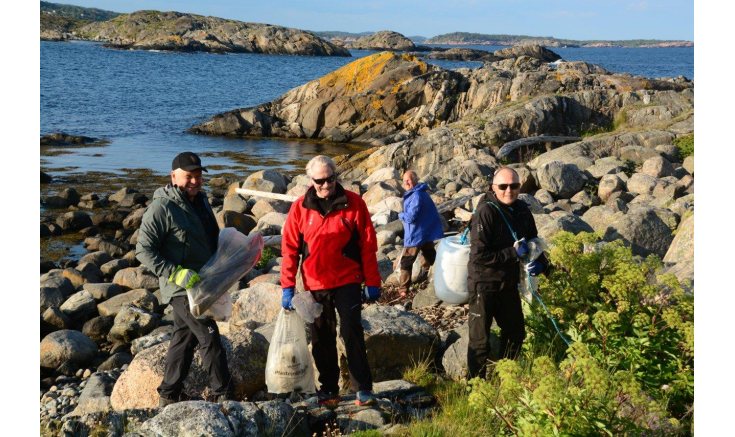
{"points": [[286, 298], [184, 278], [370, 294], [521, 247], [533, 268]]}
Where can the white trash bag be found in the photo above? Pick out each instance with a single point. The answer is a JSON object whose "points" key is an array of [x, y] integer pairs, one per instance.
{"points": [[236, 254], [306, 306], [536, 247], [289, 367]]}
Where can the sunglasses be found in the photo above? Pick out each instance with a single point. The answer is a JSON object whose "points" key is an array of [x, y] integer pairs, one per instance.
{"points": [[514, 186], [321, 181]]}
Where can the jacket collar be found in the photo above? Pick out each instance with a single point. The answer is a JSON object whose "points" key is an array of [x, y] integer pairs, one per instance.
{"points": [[512, 209], [420, 187], [340, 201]]}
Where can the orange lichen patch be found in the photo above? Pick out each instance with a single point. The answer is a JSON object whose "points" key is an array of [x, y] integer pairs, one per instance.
{"points": [[357, 76], [423, 66], [377, 104]]}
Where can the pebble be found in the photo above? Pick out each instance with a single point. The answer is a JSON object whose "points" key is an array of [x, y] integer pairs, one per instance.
{"points": [[53, 388], [87, 373]]}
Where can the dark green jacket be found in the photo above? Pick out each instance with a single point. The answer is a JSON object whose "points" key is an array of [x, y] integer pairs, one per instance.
{"points": [[170, 235]]}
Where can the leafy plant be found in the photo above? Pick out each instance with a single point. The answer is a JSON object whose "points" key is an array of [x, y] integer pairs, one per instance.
{"points": [[420, 373], [686, 146], [629, 167], [265, 257]]}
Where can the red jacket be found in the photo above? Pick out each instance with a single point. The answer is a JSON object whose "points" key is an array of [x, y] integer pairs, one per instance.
{"points": [[337, 248]]}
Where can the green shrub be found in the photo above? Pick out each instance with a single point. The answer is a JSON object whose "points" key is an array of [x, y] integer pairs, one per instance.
{"points": [[609, 300], [686, 146], [266, 256]]}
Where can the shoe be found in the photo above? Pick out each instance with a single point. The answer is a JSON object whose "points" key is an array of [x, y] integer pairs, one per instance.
{"points": [[328, 399], [365, 397], [165, 402]]}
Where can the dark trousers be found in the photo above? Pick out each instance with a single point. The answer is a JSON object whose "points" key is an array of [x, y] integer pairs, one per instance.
{"points": [[409, 257], [503, 303], [347, 301], [188, 332]]}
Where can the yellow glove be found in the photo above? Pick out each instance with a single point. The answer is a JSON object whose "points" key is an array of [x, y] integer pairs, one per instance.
{"points": [[184, 278]]}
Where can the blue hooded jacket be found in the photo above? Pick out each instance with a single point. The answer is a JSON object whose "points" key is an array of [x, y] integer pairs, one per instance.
{"points": [[420, 218]]}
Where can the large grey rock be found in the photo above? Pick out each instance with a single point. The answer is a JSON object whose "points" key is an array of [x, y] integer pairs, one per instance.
{"points": [[266, 206], [95, 396], [134, 219], [600, 217], [560, 179], [140, 298], [638, 154], [74, 220], [266, 180], [605, 166], [237, 203], [364, 420], [657, 167], [53, 319], [97, 258], [111, 268], [454, 359], [688, 164], [379, 192], [246, 351], [140, 344], [425, 298], [257, 305], [120, 194], [54, 291], [66, 345], [265, 419], [103, 290], [108, 219], [131, 323], [551, 224], [79, 306], [533, 204], [641, 183], [98, 328], [682, 247], [231, 219], [136, 277], [388, 330], [609, 183], [192, 418], [381, 175], [647, 230], [116, 361]]}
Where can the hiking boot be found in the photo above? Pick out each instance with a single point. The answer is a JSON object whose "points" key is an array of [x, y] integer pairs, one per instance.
{"points": [[165, 402], [328, 399], [365, 397]]}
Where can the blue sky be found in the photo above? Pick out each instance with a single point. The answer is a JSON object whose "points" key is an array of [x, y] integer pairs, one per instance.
{"points": [[590, 19]]}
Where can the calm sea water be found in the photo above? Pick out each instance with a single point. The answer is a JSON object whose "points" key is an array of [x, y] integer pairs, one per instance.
{"points": [[143, 101]]}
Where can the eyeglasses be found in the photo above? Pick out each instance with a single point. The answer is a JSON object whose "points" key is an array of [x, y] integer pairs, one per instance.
{"points": [[514, 186], [329, 179]]}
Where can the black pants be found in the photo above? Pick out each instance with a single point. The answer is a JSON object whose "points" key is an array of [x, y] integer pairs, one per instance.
{"points": [[188, 332], [347, 301], [503, 303]]}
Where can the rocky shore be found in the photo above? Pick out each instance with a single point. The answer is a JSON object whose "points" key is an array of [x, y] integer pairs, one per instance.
{"points": [[175, 31], [618, 171]]}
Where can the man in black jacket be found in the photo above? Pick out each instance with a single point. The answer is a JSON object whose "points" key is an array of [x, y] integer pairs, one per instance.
{"points": [[494, 270]]}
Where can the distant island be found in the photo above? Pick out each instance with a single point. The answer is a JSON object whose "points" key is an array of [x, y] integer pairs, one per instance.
{"points": [[466, 38]]}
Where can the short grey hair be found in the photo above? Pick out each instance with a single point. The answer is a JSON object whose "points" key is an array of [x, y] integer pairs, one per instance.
{"points": [[321, 160]]}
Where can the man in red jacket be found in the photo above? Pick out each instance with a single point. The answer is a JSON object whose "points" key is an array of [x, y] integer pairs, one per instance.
{"points": [[330, 228]]}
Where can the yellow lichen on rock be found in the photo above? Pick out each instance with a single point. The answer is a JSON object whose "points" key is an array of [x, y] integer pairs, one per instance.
{"points": [[357, 76]]}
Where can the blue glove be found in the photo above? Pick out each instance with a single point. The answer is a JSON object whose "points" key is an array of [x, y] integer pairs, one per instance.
{"points": [[370, 294], [286, 299], [533, 268], [521, 247]]}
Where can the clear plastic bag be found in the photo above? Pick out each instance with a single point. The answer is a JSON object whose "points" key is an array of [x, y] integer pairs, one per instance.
{"points": [[536, 247], [306, 306], [236, 255], [289, 367], [221, 310]]}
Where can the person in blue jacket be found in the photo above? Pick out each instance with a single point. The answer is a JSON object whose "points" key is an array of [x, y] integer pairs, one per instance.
{"points": [[421, 225]]}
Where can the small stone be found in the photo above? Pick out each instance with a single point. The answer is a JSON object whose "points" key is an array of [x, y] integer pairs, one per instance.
{"points": [[87, 373], [53, 388]]}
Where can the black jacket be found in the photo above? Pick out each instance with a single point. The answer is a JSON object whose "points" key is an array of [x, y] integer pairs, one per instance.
{"points": [[493, 261]]}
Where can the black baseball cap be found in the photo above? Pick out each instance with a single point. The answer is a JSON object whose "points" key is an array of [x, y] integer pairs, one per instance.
{"points": [[187, 161]]}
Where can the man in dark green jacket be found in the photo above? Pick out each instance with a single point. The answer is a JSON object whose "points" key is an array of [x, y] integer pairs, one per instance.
{"points": [[177, 237]]}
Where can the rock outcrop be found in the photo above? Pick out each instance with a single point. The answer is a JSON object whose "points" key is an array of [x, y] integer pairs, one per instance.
{"points": [[176, 31], [383, 40]]}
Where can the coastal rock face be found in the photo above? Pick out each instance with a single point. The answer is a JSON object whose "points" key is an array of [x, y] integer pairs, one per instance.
{"points": [[189, 418], [368, 101], [246, 356], [462, 54], [531, 50], [154, 30], [383, 40]]}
